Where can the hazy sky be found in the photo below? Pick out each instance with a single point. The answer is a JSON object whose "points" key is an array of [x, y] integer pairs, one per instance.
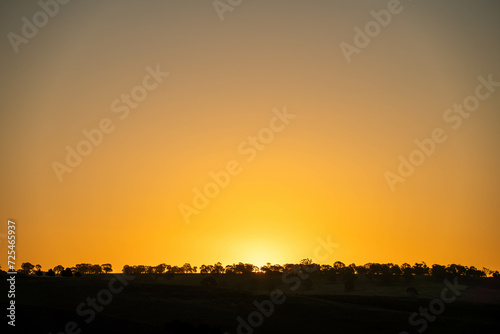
{"points": [[321, 173]]}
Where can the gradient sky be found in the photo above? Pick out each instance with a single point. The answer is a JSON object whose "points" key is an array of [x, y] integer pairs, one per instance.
{"points": [[323, 175]]}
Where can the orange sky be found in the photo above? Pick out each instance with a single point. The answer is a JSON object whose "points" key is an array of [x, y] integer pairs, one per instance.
{"points": [[320, 175]]}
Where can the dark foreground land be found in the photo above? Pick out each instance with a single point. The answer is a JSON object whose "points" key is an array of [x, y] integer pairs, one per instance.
{"points": [[182, 305]]}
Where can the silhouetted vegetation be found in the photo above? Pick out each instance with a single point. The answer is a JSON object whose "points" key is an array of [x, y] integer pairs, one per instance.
{"points": [[384, 273], [189, 299]]}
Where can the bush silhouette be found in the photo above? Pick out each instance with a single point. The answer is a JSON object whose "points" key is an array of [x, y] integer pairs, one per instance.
{"points": [[66, 273]]}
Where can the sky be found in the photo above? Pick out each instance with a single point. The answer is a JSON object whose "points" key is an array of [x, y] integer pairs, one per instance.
{"points": [[303, 111]]}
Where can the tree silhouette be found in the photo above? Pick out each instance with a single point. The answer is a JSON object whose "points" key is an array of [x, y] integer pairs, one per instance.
{"points": [[438, 271], [107, 268], [187, 268], [230, 269], [266, 269], [27, 267], [396, 271], [66, 273], [176, 270], [420, 268], [160, 269], [58, 269], [384, 273], [127, 270], [83, 268], [361, 270], [473, 272], [276, 268], [218, 268], [306, 262], [95, 269], [407, 272], [338, 267]]}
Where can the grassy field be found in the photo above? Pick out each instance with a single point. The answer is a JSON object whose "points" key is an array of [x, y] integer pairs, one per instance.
{"points": [[182, 305]]}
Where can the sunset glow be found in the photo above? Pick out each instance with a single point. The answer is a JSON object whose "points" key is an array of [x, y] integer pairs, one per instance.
{"points": [[157, 111]]}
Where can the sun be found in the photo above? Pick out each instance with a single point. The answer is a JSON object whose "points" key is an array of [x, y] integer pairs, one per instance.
{"points": [[260, 250], [259, 260], [259, 256]]}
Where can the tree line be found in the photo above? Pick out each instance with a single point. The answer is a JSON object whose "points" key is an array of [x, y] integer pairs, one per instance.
{"points": [[380, 271], [78, 270]]}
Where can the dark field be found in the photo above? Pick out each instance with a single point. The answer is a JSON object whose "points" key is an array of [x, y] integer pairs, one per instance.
{"points": [[182, 305]]}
